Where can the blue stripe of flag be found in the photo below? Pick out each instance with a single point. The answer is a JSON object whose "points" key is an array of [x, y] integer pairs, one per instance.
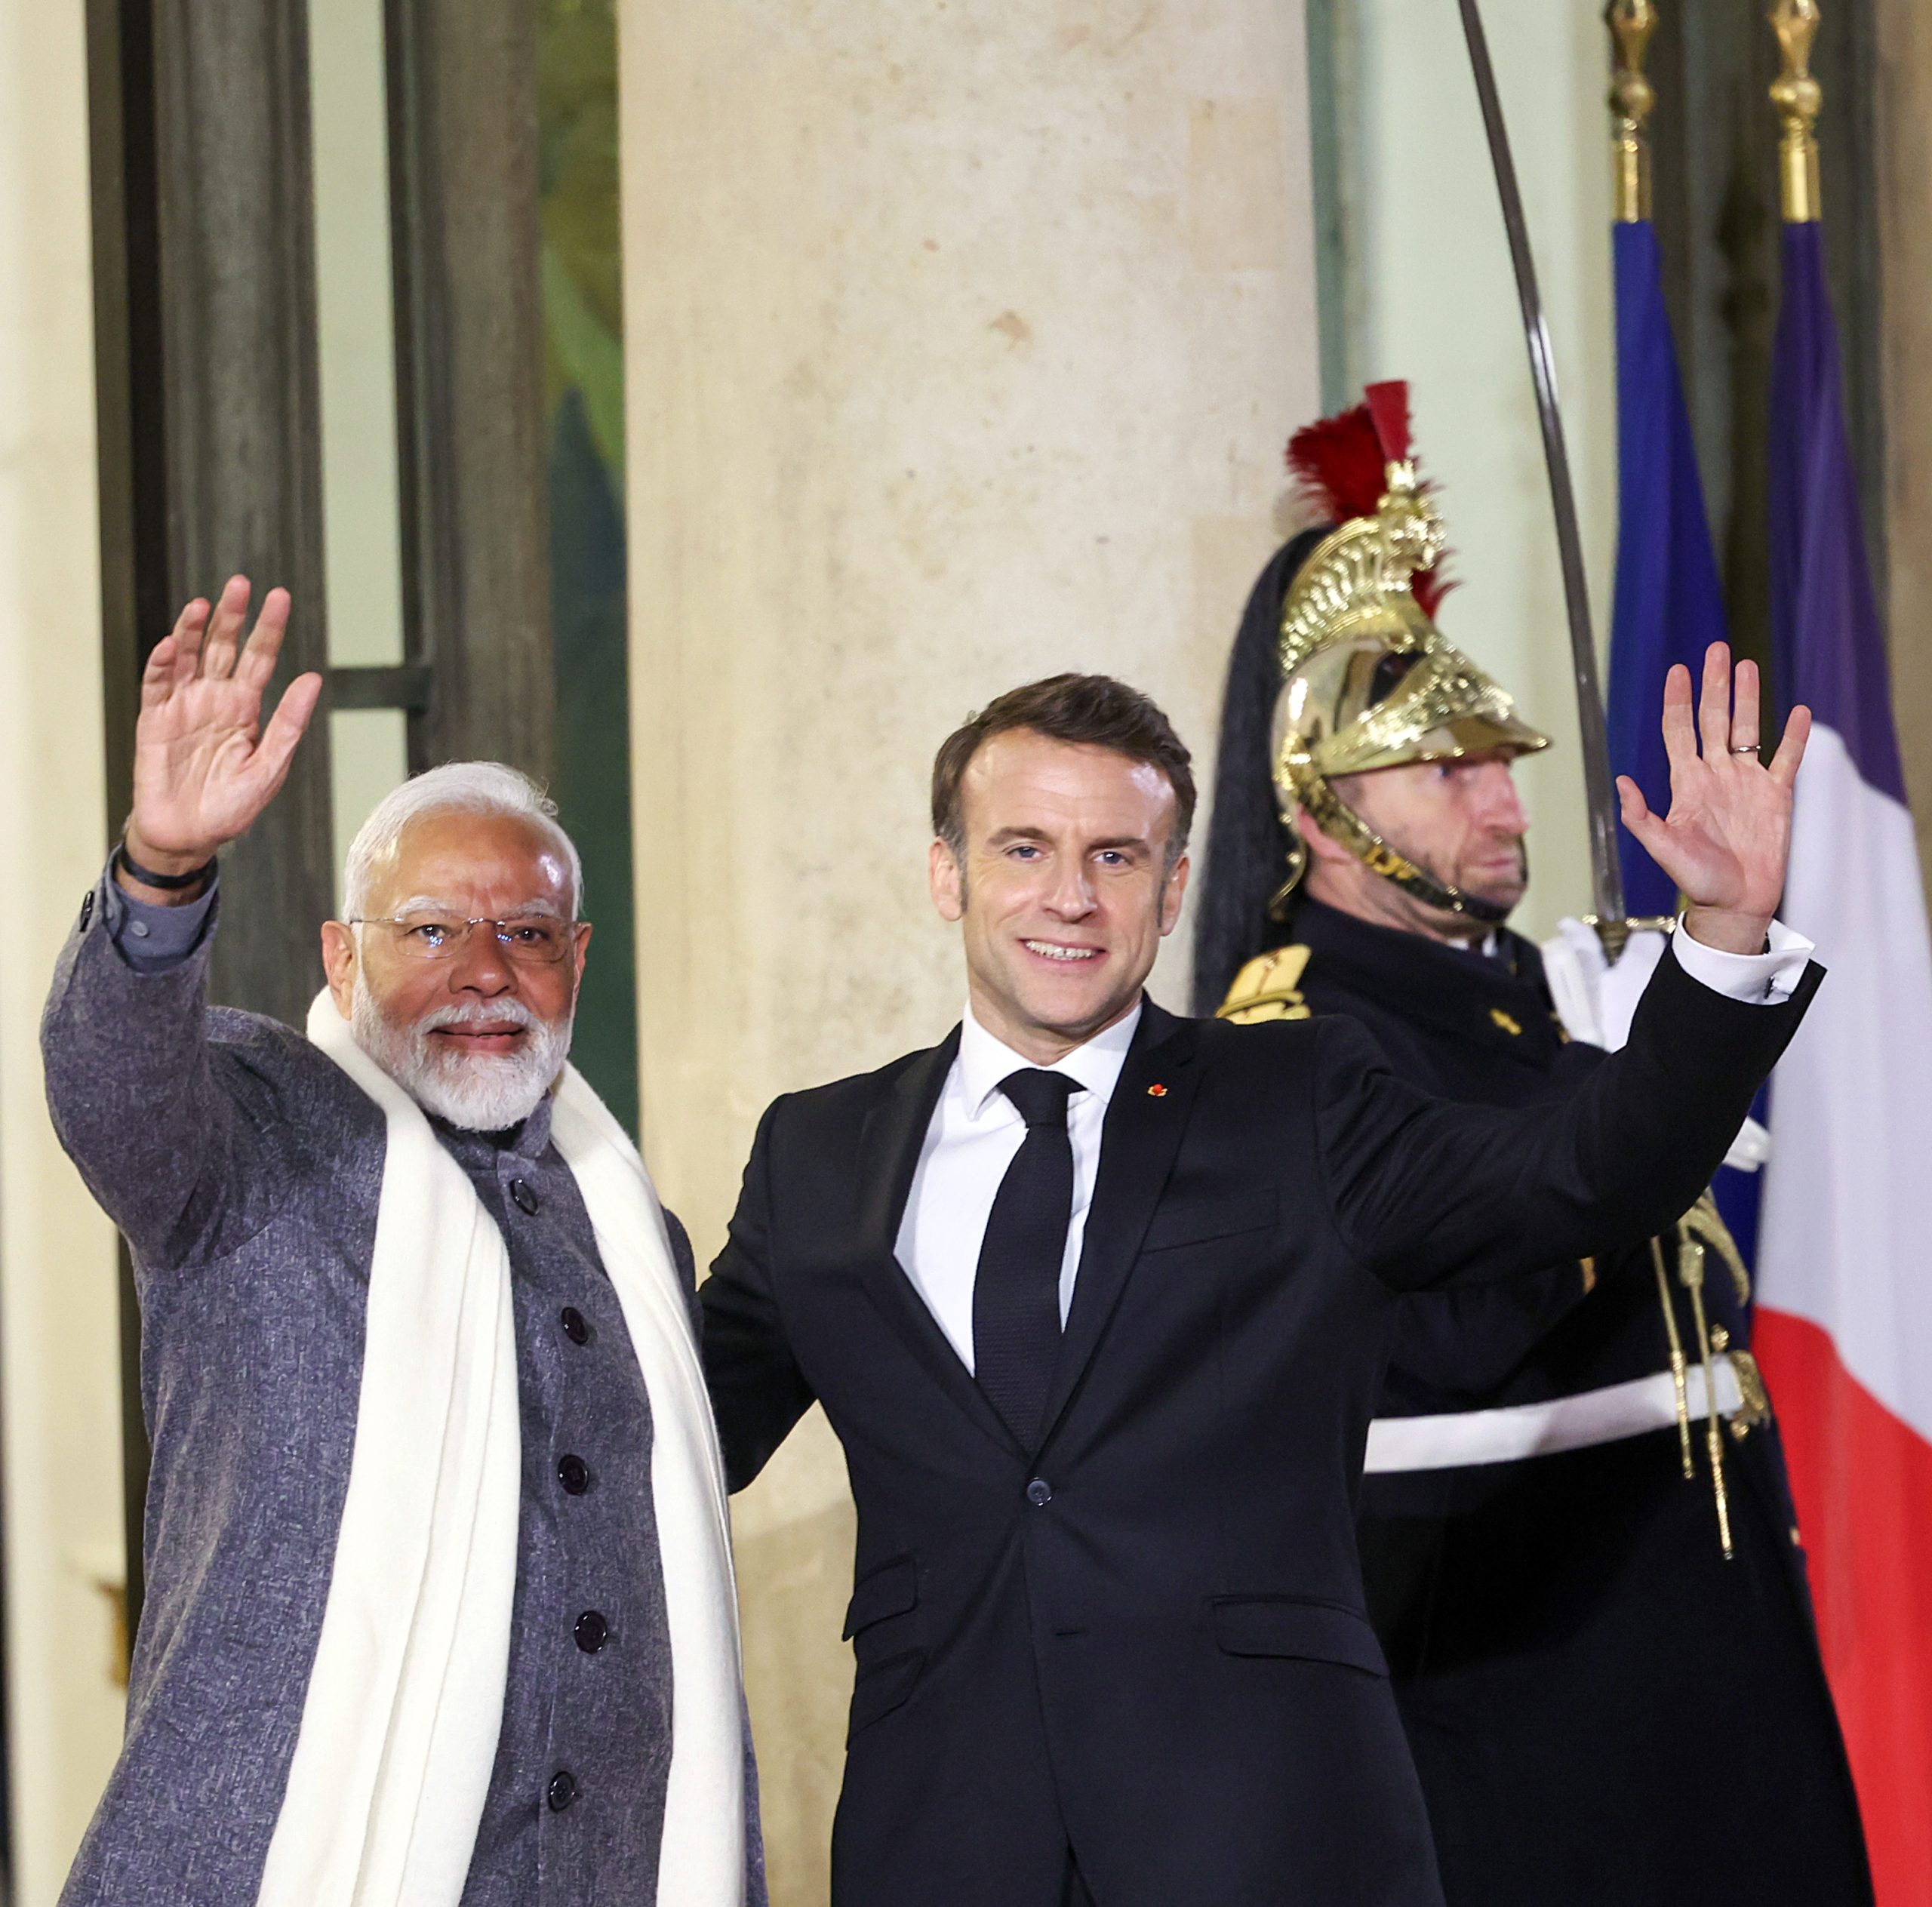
{"points": [[1670, 606], [1821, 583]]}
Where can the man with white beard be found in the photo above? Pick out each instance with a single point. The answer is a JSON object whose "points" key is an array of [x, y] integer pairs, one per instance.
{"points": [[439, 1602]]}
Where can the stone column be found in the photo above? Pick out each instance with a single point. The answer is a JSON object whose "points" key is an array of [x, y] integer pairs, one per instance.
{"points": [[59, 1339], [963, 341], [463, 80]]}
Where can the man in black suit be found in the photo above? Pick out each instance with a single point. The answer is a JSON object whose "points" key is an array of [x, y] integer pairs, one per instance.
{"points": [[1097, 1299]]}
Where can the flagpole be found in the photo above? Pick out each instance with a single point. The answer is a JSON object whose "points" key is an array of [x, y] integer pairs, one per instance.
{"points": [[1630, 23], [1799, 98], [1606, 874]]}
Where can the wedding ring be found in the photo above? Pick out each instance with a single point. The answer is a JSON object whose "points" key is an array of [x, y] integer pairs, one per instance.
{"points": [[1744, 748]]}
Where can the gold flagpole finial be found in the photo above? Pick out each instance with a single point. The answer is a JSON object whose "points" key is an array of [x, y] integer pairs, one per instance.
{"points": [[1797, 97], [1631, 23]]}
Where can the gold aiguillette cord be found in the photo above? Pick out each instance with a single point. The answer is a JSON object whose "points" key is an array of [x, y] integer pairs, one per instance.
{"points": [[1691, 1275], [1677, 1372]]}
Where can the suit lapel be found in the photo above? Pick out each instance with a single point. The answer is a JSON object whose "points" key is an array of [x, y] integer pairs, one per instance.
{"points": [[1146, 1120], [889, 1147]]}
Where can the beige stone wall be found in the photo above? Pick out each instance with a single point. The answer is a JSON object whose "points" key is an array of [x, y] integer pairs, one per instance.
{"points": [[60, 1320], [963, 340]]}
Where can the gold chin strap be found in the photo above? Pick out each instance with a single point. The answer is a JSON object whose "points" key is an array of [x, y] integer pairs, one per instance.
{"points": [[1281, 903], [1342, 824]]}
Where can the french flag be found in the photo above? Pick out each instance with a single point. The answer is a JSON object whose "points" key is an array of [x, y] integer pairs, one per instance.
{"points": [[1844, 1326]]}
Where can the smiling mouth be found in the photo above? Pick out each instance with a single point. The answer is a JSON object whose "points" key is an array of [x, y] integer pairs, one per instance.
{"points": [[1064, 956], [488, 1038]]}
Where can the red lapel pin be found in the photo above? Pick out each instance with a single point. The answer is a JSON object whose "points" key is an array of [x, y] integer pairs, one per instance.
{"points": [[1157, 1092]]}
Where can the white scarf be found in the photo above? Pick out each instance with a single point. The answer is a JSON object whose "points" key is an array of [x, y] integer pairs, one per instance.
{"points": [[405, 1701]]}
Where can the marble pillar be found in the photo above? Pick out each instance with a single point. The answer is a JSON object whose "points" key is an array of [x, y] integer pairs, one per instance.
{"points": [[962, 341], [60, 1326]]}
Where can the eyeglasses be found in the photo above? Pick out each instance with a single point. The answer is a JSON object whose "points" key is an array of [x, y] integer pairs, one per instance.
{"points": [[529, 939]]}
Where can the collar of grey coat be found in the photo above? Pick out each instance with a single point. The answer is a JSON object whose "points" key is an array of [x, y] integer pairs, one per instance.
{"points": [[525, 1140], [1142, 1133]]}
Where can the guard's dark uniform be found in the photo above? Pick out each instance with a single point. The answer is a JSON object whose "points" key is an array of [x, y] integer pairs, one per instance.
{"points": [[1604, 1711]]}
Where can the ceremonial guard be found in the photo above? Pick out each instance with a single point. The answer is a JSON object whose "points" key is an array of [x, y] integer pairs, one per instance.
{"points": [[1585, 1578]]}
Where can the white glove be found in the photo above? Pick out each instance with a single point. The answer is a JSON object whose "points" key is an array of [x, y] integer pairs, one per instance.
{"points": [[1750, 1148], [1596, 1000]]}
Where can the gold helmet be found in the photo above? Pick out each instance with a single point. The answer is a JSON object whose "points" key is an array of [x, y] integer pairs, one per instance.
{"points": [[1367, 680]]}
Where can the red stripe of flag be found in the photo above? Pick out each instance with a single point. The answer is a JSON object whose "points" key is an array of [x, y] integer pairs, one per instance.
{"points": [[1862, 1480]]}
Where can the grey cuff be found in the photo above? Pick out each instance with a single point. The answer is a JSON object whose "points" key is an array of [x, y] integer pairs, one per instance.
{"points": [[152, 938]]}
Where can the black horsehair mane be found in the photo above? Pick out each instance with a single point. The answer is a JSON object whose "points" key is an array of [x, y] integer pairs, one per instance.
{"points": [[1246, 857]]}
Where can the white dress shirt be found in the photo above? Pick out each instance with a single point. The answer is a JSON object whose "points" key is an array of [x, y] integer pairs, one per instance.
{"points": [[1764, 980], [976, 1131]]}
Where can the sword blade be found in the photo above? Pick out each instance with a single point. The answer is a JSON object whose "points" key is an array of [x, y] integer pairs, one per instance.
{"points": [[1599, 789]]}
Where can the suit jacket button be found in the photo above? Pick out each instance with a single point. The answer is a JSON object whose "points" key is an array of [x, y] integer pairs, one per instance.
{"points": [[577, 1327], [561, 1791], [574, 1475], [526, 1199], [1039, 1493], [591, 1631]]}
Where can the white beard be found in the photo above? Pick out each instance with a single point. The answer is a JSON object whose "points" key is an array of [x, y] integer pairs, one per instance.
{"points": [[477, 1092]]}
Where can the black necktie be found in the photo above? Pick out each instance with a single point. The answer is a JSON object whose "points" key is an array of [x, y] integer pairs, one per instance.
{"points": [[1016, 1291]]}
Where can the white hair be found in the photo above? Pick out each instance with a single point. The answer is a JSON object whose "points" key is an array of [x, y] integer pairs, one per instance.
{"points": [[456, 787]]}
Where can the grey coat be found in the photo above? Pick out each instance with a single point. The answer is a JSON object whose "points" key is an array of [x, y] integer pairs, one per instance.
{"points": [[244, 1168]]}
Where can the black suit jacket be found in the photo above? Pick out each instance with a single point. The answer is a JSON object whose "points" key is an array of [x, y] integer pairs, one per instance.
{"points": [[1483, 1028], [1145, 1640]]}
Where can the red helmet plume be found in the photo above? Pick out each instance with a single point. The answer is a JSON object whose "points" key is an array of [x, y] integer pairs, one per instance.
{"points": [[1340, 466]]}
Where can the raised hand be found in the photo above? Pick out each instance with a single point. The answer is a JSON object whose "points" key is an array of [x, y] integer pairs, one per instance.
{"points": [[1726, 838], [204, 766]]}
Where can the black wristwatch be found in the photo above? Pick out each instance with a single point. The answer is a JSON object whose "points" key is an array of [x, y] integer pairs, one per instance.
{"points": [[167, 883]]}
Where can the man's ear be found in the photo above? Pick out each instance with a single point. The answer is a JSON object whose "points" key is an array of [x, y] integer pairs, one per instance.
{"points": [[339, 963], [1176, 892], [947, 881], [1320, 847]]}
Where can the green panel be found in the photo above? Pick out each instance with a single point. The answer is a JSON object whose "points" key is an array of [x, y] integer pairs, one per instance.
{"points": [[583, 330], [1327, 158]]}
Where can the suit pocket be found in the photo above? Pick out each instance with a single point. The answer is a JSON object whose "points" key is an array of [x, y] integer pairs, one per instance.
{"points": [[883, 1688], [887, 1668], [1197, 1223], [892, 1589], [1291, 1626]]}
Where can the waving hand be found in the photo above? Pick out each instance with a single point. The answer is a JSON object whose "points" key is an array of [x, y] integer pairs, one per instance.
{"points": [[204, 766], [1726, 838]]}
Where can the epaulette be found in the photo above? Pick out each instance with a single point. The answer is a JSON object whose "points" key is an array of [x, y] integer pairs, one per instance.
{"points": [[1267, 987]]}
